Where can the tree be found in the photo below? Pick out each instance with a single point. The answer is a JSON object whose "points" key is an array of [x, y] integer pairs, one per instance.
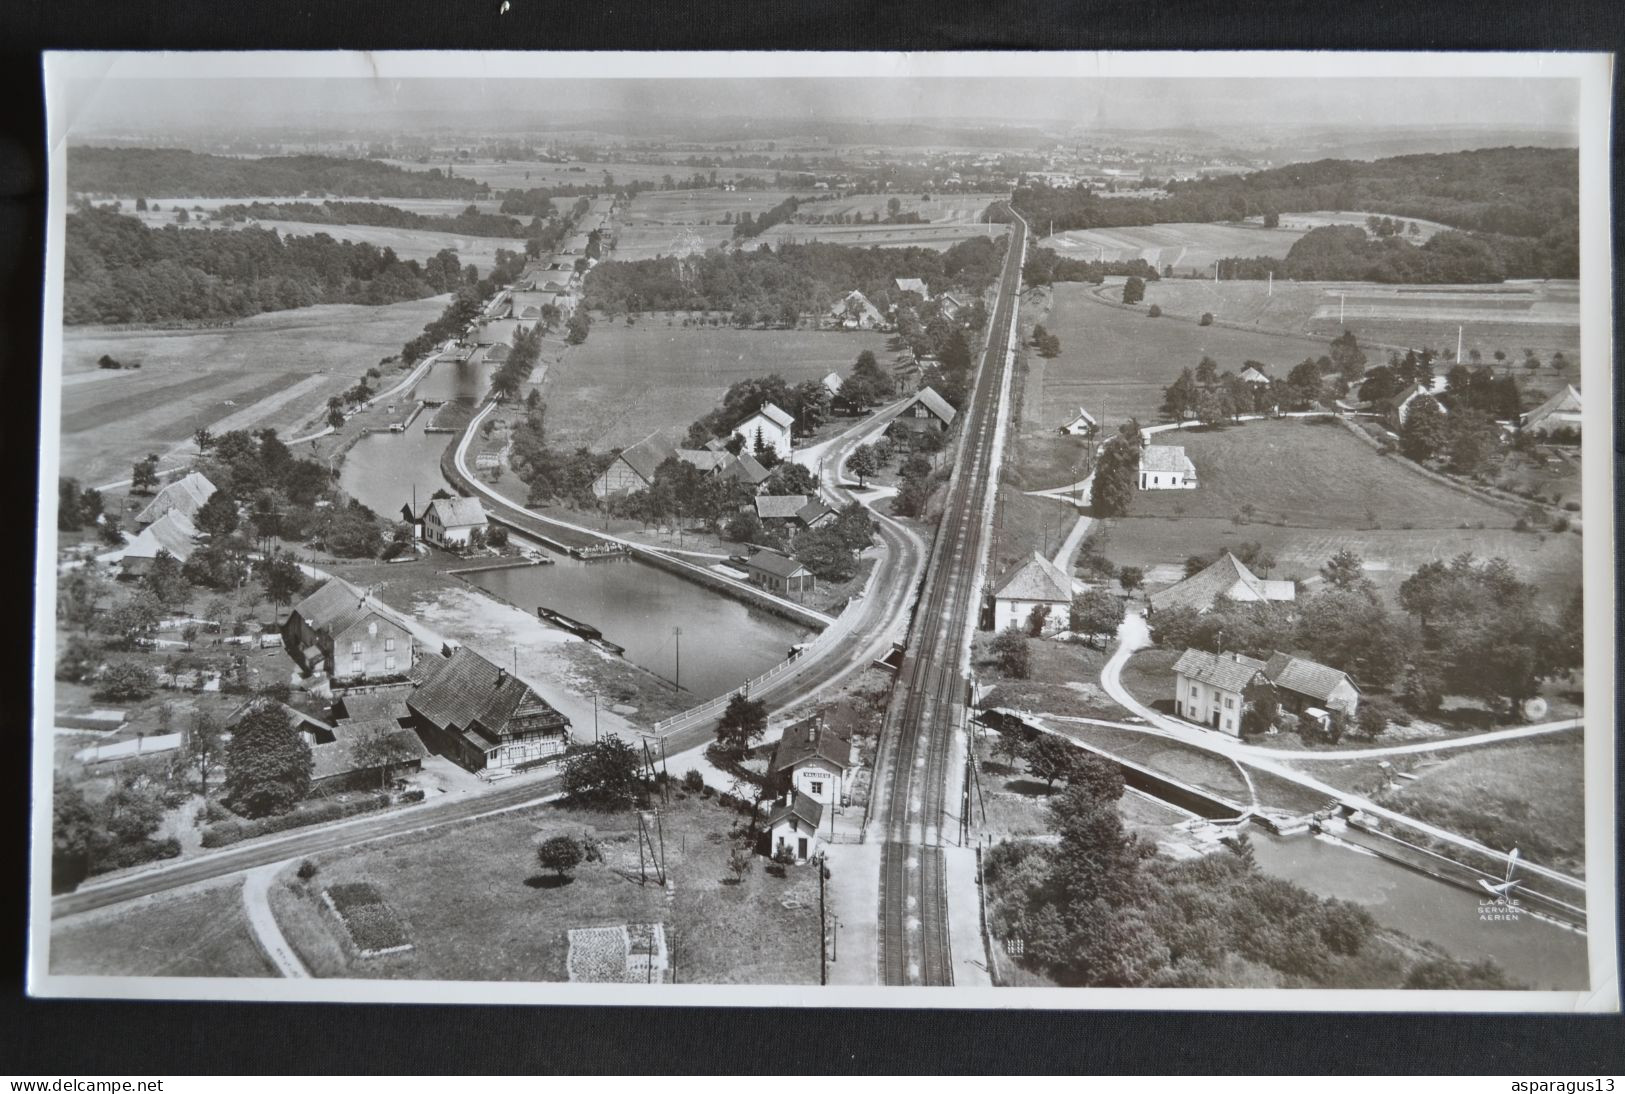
{"points": [[603, 773], [203, 439], [1371, 722], [218, 515], [1133, 290], [743, 722], [124, 681], [204, 746], [1116, 472], [163, 580], [74, 833], [561, 854], [1206, 320], [738, 859], [1096, 612], [1052, 759], [577, 328], [863, 463], [1259, 708], [1010, 652], [1132, 578], [1347, 357], [282, 579], [1425, 432], [268, 765], [144, 476], [1346, 570]]}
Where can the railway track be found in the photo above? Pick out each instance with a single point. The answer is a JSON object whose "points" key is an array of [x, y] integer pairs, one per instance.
{"points": [[927, 705]]}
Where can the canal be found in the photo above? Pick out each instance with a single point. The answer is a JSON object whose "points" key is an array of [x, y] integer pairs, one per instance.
{"points": [[724, 641], [1534, 952]]}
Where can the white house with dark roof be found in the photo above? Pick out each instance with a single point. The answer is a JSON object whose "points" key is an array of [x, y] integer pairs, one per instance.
{"points": [[793, 825], [338, 630], [1035, 583], [1084, 425], [1166, 467], [768, 428], [482, 717], [926, 410], [814, 760], [1209, 688], [452, 522]]}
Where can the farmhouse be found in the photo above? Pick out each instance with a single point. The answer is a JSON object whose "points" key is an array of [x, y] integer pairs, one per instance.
{"points": [[1166, 467], [812, 759], [1305, 685], [745, 468], [779, 573], [1209, 688], [815, 514], [634, 468], [914, 285], [484, 718], [1252, 375], [367, 753], [1227, 578], [173, 532], [793, 826], [1398, 408], [1036, 583], [768, 429], [337, 630], [780, 506], [1084, 425], [186, 495], [926, 410], [1560, 412], [452, 522], [952, 305], [854, 312], [832, 383]]}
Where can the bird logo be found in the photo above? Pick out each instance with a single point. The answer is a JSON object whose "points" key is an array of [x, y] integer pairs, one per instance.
{"points": [[1503, 889]]}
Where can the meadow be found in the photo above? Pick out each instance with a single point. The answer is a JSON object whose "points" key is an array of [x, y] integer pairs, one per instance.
{"points": [[197, 931], [274, 370], [535, 174], [625, 382], [935, 236], [477, 906]]}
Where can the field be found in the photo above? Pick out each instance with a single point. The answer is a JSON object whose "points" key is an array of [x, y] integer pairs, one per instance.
{"points": [[667, 222], [193, 932], [408, 243], [533, 174], [938, 236], [941, 209], [625, 382], [1185, 247], [1524, 795], [430, 207], [278, 369], [1511, 317], [1117, 361], [477, 906]]}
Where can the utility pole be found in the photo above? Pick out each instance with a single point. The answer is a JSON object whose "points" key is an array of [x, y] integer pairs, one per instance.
{"points": [[1458, 345], [595, 714], [677, 633], [1340, 309], [823, 926]]}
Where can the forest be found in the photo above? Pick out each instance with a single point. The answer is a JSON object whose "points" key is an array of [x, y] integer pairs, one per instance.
{"points": [[117, 270], [1347, 253], [175, 172], [795, 279], [469, 222]]}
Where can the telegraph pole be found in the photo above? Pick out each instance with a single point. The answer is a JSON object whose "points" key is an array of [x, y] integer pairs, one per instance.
{"points": [[677, 633], [823, 927]]}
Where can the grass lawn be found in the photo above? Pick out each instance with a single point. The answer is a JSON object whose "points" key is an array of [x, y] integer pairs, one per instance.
{"points": [[1065, 679], [192, 932], [1181, 761], [625, 382], [477, 906], [274, 370], [937, 236], [1186, 247], [1308, 472], [1525, 794]]}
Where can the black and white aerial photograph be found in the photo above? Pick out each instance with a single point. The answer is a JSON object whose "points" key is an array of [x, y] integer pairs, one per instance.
{"points": [[956, 530]]}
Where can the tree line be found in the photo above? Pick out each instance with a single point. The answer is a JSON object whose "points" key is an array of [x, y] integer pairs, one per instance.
{"points": [[1348, 253], [117, 270], [176, 172], [748, 227], [1044, 266], [469, 221]]}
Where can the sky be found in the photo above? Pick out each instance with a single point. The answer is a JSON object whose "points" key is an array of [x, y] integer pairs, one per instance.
{"points": [[1122, 103]]}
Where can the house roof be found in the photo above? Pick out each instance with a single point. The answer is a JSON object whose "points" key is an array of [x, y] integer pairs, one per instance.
{"points": [[936, 404], [913, 284], [1083, 416], [1225, 671], [863, 302], [1303, 676], [807, 810], [1036, 579], [813, 512], [337, 606], [774, 414], [172, 532], [498, 352], [704, 458], [1254, 376], [779, 506], [466, 691], [364, 706], [344, 754], [1565, 401], [772, 562], [648, 454], [811, 739], [832, 383], [187, 495], [1165, 457], [458, 512], [746, 468], [1225, 577], [958, 300]]}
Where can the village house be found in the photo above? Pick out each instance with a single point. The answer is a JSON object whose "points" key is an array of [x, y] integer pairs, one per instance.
{"points": [[1084, 425], [779, 506], [1308, 687], [1035, 584], [766, 430], [952, 305], [745, 469], [779, 573], [832, 384], [814, 760], [1398, 408], [793, 826], [173, 533], [484, 718], [1209, 688], [1226, 577], [1166, 467], [365, 755], [815, 514], [337, 630], [453, 522], [926, 410], [185, 495], [854, 312], [634, 468], [913, 285], [1252, 375], [1562, 412]]}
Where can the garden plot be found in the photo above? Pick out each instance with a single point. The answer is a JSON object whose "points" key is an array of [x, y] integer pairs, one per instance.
{"points": [[374, 928]]}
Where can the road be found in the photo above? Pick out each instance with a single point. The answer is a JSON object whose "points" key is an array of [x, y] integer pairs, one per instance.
{"points": [[927, 704]]}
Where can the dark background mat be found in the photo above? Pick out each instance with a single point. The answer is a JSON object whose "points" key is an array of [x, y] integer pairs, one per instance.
{"points": [[78, 1038]]}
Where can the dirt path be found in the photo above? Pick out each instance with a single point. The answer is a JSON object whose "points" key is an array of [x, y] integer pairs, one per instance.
{"points": [[257, 906]]}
